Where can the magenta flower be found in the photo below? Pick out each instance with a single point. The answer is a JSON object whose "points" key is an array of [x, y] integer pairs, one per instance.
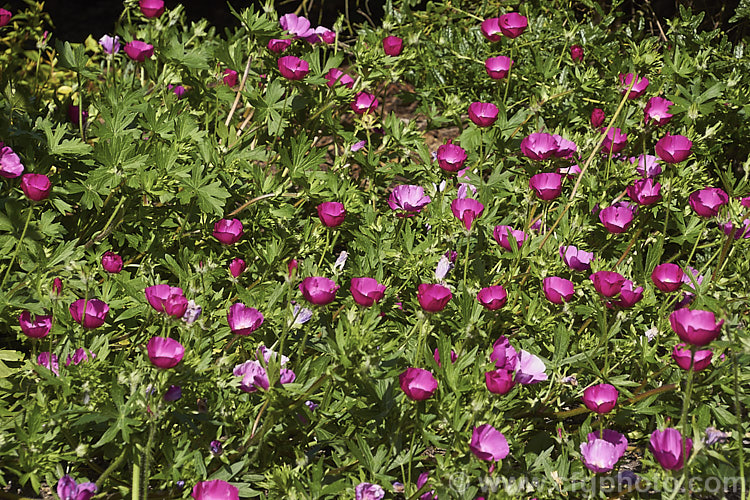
{"points": [[164, 352], [565, 147], [57, 286], [364, 103], [512, 24], [629, 296], [657, 111], [601, 454], [335, 76], [707, 201], [451, 157], [576, 53], [138, 50], [647, 165], [492, 297], [682, 356], [503, 235], [421, 481], [504, 355], [433, 297], [279, 45], [68, 489], [417, 384], [558, 290], [89, 314], [487, 443], [644, 191], [668, 447], [49, 361], [111, 262], [254, 376], [366, 291], [331, 213], [73, 115], [578, 260], [743, 230], [10, 163], [498, 67], [392, 45], [408, 199], [696, 327], [464, 185], [318, 290], [368, 491], [228, 231], [436, 356], [237, 267], [230, 77], [499, 381], [673, 148], [79, 356], [529, 369], [110, 45], [491, 29], [167, 299], [607, 283], [37, 327], [667, 277], [151, 8], [178, 90], [601, 398], [466, 210], [5, 16], [243, 320], [639, 87], [539, 146], [36, 187], [546, 186], [483, 114], [293, 68], [597, 117], [216, 489], [615, 141], [320, 34], [296, 25], [617, 218]]}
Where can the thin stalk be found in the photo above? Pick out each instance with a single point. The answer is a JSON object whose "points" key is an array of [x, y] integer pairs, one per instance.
{"points": [[325, 249], [18, 247], [411, 446], [136, 486], [80, 107], [466, 256], [685, 423], [507, 78], [147, 459], [738, 415]]}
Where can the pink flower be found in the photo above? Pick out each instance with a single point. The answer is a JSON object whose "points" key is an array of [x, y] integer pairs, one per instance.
{"points": [[49, 361], [546, 186], [279, 45], [392, 45], [539, 146], [368, 491], [498, 67], [504, 355], [466, 210], [417, 384], [644, 191], [639, 87], [36, 187], [682, 356], [90, 313], [607, 283], [483, 114], [529, 369], [487, 443], [231, 77], [331, 213], [138, 50], [629, 296], [296, 25], [321, 34], [512, 24], [433, 297], [68, 489], [37, 327], [164, 352], [237, 267], [254, 376], [79, 356], [5, 16], [673, 148], [364, 103], [696, 327], [667, 277], [293, 68], [215, 490], [451, 157], [167, 299], [565, 147], [558, 290], [409, 199], [499, 381], [318, 290], [648, 165], [335, 76], [111, 262], [228, 231], [669, 447], [575, 259], [615, 141], [707, 201], [576, 53], [503, 235], [657, 111], [600, 454], [151, 8], [601, 398], [491, 29], [617, 218], [366, 291], [597, 118], [10, 163], [436, 356], [243, 320], [492, 297]]}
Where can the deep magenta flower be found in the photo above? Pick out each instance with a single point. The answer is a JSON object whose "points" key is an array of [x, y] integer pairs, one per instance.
{"points": [[36, 187], [164, 352], [418, 384], [742, 231], [110, 45], [433, 297], [237, 267], [503, 234], [512, 24], [601, 398], [487, 443], [483, 114], [673, 148], [368, 491], [215, 490], [296, 25], [335, 76], [492, 297], [558, 290], [629, 296], [279, 45], [491, 29], [498, 67], [293, 68], [318, 290], [331, 213], [504, 355], [138, 50], [682, 356], [37, 327], [392, 45], [615, 141], [607, 283], [436, 356], [68, 489], [243, 320], [668, 447], [647, 165], [578, 260], [467, 210], [576, 53], [49, 361], [546, 186], [639, 87], [89, 314], [73, 115], [657, 111], [228, 231], [5, 16], [597, 117], [151, 8], [408, 199], [167, 299], [644, 191], [600, 454], [696, 327], [364, 103], [530, 369], [57, 286], [617, 218], [366, 291], [177, 90], [451, 157], [499, 381], [230, 77], [79, 356], [565, 147], [539, 146], [10, 163], [254, 376], [111, 262], [320, 34], [707, 201], [667, 277]]}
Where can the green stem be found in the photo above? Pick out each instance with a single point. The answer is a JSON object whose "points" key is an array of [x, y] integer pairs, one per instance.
{"points": [[136, 487], [507, 78], [325, 249], [685, 423], [411, 446], [18, 247], [420, 344], [112, 467], [738, 415], [147, 458], [466, 258]]}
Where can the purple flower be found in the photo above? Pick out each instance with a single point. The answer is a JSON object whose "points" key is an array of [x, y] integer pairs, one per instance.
{"points": [[366, 291], [364, 103], [657, 111], [647, 166], [293, 68], [444, 266], [617, 218], [243, 320], [504, 355], [318, 290], [558, 290], [139, 51], [89, 314], [539, 146], [483, 114], [10, 163], [49, 361], [601, 398], [111, 262], [696, 327], [36, 187], [392, 45], [228, 231], [629, 296], [512, 24], [546, 186], [615, 141], [433, 297], [492, 297], [79, 356], [331, 213], [714, 435], [36, 328], [503, 235], [215, 489], [279, 45], [368, 491], [487, 443], [216, 447], [607, 283], [597, 117], [408, 199], [335, 76], [491, 29], [451, 157], [466, 210], [578, 260], [644, 191], [683, 356], [110, 45], [68, 489], [576, 53], [707, 201], [669, 448], [529, 369], [230, 78], [601, 454], [5, 16], [499, 381], [173, 393], [417, 384], [164, 352], [667, 277], [498, 67], [673, 148], [237, 267], [639, 87], [296, 25]]}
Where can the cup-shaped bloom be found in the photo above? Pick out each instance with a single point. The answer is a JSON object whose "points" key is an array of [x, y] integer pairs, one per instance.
{"points": [[243, 320], [629, 295], [644, 191], [615, 141], [57, 286], [639, 87], [296, 25], [230, 77], [293, 68], [565, 147], [492, 297], [617, 218], [79, 356], [667, 277], [5, 16], [512, 24], [503, 234], [696, 327], [607, 283], [37, 327], [36, 187], [578, 260], [318, 290], [165, 298], [669, 447], [433, 297], [49, 361], [228, 231], [164, 352], [647, 165], [539, 146], [151, 8], [601, 398], [392, 45], [408, 199], [499, 381], [237, 267], [466, 210], [491, 29], [138, 50], [10, 163], [111, 262], [418, 384], [657, 111], [530, 369], [558, 290], [366, 291], [483, 114], [321, 34], [335, 76], [742, 231], [215, 490], [673, 148], [488, 443], [364, 103], [368, 491], [745, 202], [177, 90], [498, 67], [707, 201], [451, 157], [546, 186], [576, 53], [68, 489], [89, 314], [110, 44], [279, 45], [504, 355], [600, 454], [597, 117], [254, 376], [682, 356], [331, 213]]}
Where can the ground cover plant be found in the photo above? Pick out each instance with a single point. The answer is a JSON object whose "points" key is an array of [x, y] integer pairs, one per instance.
{"points": [[491, 251]]}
